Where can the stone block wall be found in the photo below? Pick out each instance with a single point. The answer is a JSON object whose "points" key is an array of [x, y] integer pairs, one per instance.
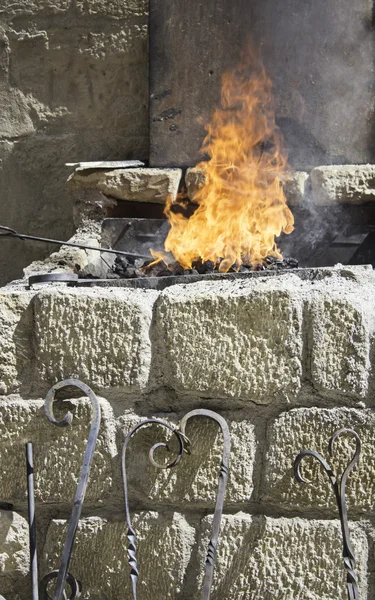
{"points": [[73, 87], [285, 360]]}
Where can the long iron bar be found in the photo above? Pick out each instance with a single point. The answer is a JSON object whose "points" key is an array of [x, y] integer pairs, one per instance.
{"points": [[223, 478], [339, 491], [63, 575], [32, 523], [12, 233], [132, 549]]}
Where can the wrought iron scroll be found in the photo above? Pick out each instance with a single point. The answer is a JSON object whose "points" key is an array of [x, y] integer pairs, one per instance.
{"points": [[223, 479], [62, 575], [339, 491], [183, 442], [132, 549]]}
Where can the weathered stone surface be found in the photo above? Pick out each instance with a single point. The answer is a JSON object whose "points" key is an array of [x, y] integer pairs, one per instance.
{"points": [[100, 559], [76, 260], [58, 451], [267, 558], [345, 184], [194, 180], [114, 8], [233, 339], [294, 184], [140, 185], [14, 556], [341, 325], [100, 336], [195, 478], [14, 544], [62, 66], [311, 429], [16, 326]]}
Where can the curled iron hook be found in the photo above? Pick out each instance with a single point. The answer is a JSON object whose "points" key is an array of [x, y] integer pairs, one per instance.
{"points": [[62, 575], [132, 548], [220, 497], [184, 444], [339, 491]]}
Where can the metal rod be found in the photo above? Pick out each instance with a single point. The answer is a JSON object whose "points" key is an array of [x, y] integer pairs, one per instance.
{"points": [[63, 575], [21, 236], [183, 441], [223, 479], [339, 491], [32, 524], [132, 549]]}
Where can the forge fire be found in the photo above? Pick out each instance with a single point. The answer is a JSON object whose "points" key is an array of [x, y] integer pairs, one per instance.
{"points": [[240, 208]]}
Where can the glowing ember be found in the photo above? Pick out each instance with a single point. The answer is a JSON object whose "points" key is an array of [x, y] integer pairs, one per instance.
{"points": [[241, 205]]}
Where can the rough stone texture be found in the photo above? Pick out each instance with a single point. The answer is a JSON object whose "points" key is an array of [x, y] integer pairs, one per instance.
{"points": [[194, 179], [346, 184], [283, 558], [233, 339], [76, 260], [341, 325], [14, 553], [58, 451], [16, 327], [100, 336], [294, 184], [195, 479], [164, 546], [139, 185], [311, 429], [74, 86]]}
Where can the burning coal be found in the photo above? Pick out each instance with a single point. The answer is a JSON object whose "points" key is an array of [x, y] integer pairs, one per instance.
{"points": [[241, 207]]}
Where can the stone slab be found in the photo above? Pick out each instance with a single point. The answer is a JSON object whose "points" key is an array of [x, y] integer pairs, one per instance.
{"points": [[195, 479], [16, 328], [344, 184], [137, 185], [100, 561], [99, 336], [234, 339], [262, 557], [311, 429], [58, 451]]}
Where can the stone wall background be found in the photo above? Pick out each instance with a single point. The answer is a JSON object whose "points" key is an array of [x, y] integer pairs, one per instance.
{"points": [[73, 86], [285, 360]]}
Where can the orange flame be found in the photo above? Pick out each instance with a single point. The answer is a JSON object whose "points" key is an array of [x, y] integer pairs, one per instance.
{"points": [[241, 205]]}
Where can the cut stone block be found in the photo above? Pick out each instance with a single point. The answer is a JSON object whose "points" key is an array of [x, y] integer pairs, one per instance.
{"points": [[14, 555], [100, 558], [100, 336], [275, 559], [194, 179], [16, 326], [341, 325], [311, 429], [195, 478], [58, 451], [139, 185], [294, 184], [233, 339], [343, 184]]}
